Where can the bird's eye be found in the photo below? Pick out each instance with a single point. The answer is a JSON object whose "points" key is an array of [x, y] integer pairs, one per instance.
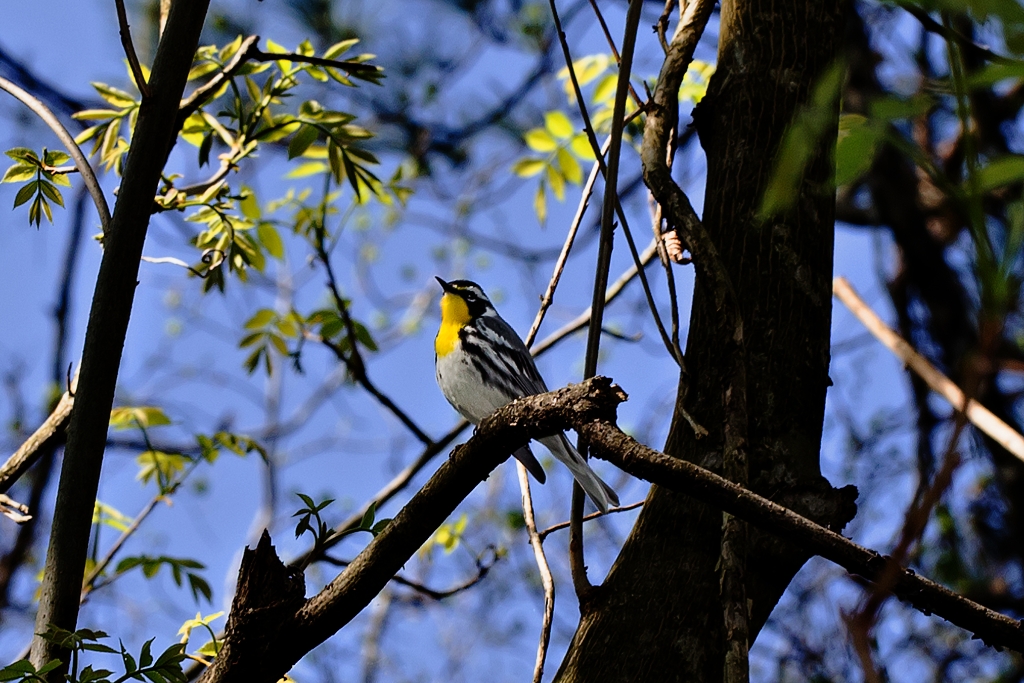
{"points": [[470, 296]]}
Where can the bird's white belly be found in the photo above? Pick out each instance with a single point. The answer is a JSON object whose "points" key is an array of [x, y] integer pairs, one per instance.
{"points": [[465, 389]]}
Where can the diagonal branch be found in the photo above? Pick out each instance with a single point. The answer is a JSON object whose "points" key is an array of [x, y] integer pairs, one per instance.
{"points": [[50, 432], [589, 408], [995, 629], [200, 95], [982, 418]]}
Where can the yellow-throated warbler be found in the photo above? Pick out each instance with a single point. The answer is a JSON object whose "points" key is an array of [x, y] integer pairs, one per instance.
{"points": [[482, 364]]}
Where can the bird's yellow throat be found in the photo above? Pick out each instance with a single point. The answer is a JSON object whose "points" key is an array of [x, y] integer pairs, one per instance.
{"points": [[454, 316]]}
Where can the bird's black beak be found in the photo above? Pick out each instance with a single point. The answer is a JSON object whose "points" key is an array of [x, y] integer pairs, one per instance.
{"points": [[445, 286]]}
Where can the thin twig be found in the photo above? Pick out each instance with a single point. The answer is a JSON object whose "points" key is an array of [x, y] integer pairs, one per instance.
{"points": [[68, 140], [980, 417], [385, 494], [350, 67], [546, 580], [570, 237], [610, 444], [129, 50], [88, 585], [576, 557], [353, 360], [13, 510], [661, 28], [611, 46], [592, 516], [358, 373], [952, 36], [481, 568], [599, 154], [583, 319]]}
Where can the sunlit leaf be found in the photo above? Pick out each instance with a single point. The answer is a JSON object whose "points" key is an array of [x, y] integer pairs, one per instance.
{"points": [[528, 167], [558, 124], [540, 140]]}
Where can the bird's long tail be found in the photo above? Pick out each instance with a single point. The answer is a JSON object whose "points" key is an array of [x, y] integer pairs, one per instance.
{"points": [[602, 494], [525, 456]]}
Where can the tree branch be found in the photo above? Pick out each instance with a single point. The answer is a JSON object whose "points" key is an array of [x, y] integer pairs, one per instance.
{"points": [[321, 616], [589, 408], [982, 418], [608, 443], [201, 94], [50, 432]]}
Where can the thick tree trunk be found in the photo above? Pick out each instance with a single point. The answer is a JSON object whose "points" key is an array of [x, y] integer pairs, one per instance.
{"points": [[658, 616]]}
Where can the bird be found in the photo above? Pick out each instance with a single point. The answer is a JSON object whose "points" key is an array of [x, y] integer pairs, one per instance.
{"points": [[481, 365]]}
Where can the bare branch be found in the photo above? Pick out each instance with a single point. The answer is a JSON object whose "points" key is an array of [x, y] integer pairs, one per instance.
{"points": [[510, 428], [108, 324], [546, 579], [581, 208], [51, 429], [482, 569], [592, 516], [981, 417], [608, 443]]}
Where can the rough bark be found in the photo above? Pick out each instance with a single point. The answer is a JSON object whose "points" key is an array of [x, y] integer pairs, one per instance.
{"points": [[770, 55]]}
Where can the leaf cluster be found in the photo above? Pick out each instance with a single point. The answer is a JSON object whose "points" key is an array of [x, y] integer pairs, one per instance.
{"points": [[41, 176], [164, 668]]}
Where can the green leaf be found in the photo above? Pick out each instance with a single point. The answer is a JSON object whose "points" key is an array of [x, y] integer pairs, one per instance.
{"points": [[528, 167], [24, 155], [540, 204], [340, 48], [261, 319], [557, 181], [270, 239], [114, 96], [1004, 170], [855, 149], [302, 140], [128, 417], [558, 124], [892, 108], [25, 193], [540, 140], [55, 158], [51, 192], [307, 169], [364, 337], [95, 115], [570, 167], [368, 516], [581, 147], [160, 466], [19, 173]]}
